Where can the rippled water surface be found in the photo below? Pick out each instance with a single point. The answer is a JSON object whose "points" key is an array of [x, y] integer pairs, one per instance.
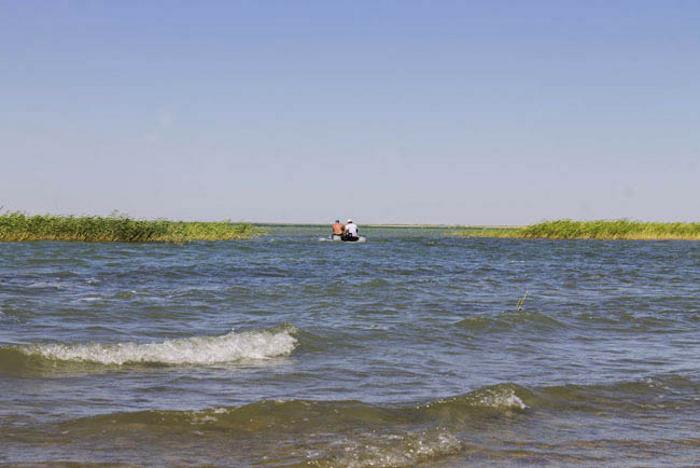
{"points": [[408, 349]]}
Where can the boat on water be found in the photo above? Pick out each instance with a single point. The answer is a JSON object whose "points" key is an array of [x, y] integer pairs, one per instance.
{"points": [[345, 232], [336, 238]]}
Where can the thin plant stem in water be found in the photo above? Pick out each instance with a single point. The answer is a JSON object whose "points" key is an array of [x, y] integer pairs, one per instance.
{"points": [[521, 303]]}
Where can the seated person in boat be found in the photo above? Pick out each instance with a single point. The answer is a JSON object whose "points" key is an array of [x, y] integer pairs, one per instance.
{"points": [[338, 228], [351, 231]]}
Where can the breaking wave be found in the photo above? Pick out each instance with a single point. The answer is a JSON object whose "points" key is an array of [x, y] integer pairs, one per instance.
{"points": [[336, 415], [389, 450], [353, 433], [197, 350]]}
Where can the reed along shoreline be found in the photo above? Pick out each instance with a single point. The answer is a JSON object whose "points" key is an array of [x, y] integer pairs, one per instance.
{"points": [[601, 230], [19, 227]]}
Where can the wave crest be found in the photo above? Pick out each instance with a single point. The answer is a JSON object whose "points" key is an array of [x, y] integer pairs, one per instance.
{"points": [[502, 397], [390, 450], [353, 433], [230, 347]]}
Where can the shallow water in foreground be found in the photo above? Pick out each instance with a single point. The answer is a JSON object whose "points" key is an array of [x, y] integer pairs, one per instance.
{"points": [[405, 350]]}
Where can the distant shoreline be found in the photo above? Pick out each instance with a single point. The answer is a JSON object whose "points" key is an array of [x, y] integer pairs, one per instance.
{"points": [[19, 227], [394, 226], [600, 230]]}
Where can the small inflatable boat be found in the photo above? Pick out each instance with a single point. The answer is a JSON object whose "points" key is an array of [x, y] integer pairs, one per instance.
{"points": [[335, 238]]}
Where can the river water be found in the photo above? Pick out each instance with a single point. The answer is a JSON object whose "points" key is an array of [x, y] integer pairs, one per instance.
{"points": [[413, 348]]}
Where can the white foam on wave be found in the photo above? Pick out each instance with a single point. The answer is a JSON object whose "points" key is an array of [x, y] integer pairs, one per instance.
{"points": [[195, 350], [392, 450], [45, 285], [501, 398]]}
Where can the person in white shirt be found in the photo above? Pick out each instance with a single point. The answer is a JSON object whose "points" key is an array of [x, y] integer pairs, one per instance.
{"points": [[351, 231]]}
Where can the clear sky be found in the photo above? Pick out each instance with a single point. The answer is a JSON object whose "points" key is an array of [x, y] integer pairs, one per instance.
{"points": [[472, 112]]}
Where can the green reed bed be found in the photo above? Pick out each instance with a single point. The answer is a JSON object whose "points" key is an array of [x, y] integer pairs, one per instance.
{"points": [[604, 229], [17, 227], [616, 229]]}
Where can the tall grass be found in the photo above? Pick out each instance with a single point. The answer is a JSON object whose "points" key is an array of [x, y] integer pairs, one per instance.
{"points": [[603, 229], [614, 229], [20, 227]]}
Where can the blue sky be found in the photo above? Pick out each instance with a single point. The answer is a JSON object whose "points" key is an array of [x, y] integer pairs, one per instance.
{"points": [[472, 112]]}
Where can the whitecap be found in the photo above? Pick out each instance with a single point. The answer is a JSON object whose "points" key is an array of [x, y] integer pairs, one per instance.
{"points": [[45, 285], [497, 397], [371, 450], [90, 298], [194, 350]]}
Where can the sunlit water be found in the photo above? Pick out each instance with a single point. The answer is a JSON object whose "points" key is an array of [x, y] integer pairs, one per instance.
{"points": [[408, 349]]}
